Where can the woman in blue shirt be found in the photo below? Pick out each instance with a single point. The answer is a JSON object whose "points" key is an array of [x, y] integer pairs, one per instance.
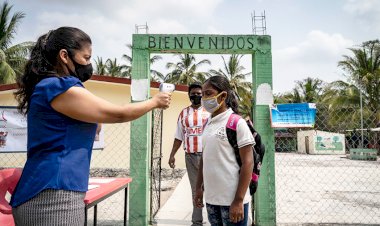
{"points": [[62, 119]]}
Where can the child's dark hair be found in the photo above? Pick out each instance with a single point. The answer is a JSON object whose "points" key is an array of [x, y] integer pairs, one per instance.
{"points": [[221, 84], [194, 86], [43, 60]]}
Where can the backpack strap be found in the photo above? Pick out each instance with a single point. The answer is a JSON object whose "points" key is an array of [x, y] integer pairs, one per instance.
{"points": [[233, 121], [231, 128]]}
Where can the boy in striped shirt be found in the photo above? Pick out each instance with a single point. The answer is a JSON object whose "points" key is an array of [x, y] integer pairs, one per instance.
{"points": [[189, 132]]}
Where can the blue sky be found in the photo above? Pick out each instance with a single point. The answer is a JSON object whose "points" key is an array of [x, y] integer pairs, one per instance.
{"points": [[308, 37]]}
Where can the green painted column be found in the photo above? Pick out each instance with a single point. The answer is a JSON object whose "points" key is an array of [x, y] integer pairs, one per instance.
{"points": [[139, 190], [265, 196], [143, 45]]}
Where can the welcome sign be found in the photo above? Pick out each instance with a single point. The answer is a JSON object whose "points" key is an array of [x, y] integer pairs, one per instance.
{"points": [[202, 43]]}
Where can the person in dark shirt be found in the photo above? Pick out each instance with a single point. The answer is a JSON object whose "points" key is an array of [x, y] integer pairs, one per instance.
{"points": [[355, 139]]}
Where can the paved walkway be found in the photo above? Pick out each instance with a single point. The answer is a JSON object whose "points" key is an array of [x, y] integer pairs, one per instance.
{"points": [[178, 208]]}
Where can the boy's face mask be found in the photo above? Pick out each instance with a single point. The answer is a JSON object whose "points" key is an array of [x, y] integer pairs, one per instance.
{"points": [[195, 99], [211, 104]]}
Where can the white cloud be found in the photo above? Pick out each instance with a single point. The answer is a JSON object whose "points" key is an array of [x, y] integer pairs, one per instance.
{"points": [[367, 13], [112, 23], [109, 38], [165, 26], [362, 6], [316, 57], [184, 8]]}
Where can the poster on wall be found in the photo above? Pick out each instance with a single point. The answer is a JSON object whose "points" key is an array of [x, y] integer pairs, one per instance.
{"points": [[13, 131], [331, 142], [293, 115]]}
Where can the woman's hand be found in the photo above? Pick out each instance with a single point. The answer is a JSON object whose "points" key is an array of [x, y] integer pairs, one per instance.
{"points": [[162, 100], [236, 211]]}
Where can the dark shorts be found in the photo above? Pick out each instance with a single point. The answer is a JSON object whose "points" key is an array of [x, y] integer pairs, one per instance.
{"points": [[220, 215]]}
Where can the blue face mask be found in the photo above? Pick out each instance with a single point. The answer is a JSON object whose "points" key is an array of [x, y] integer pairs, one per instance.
{"points": [[211, 104]]}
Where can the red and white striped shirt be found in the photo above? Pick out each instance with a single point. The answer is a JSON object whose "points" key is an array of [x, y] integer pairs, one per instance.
{"points": [[190, 128]]}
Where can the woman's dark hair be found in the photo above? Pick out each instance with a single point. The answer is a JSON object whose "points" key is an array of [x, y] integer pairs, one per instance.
{"points": [[44, 60], [221, 83]]}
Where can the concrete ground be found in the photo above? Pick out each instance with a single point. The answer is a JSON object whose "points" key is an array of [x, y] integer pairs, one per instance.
{"points": [[329, 189], [310, 190], [178, 209]]}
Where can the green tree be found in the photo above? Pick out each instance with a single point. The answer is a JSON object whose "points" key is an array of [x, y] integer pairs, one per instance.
{"points": [[308, 90], [156, 76], [342, 98], [186, 70], [7, 74], [245, 105], [288, 97], [100, 66], [111, 68], [12, 58], [114, 69], [363, 71], [234, 72]]}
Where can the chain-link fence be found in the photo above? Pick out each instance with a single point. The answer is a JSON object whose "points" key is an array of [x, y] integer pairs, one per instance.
{"points": [[156, 156], [113, 160], [316, 179], [328, 174]]}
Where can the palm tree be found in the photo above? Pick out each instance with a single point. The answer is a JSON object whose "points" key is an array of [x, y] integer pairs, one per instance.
{"points": [[186, 70], [233, 71], [341, 96], [13, 58], [155, 75], [245, 105], [7, 74], [288, 97], [363, 72], [308, 90], [100, 67], [8, 27], [114, 69]]}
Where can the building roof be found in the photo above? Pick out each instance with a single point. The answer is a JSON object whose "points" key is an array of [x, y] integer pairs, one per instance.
{"points": [[102, 78]]}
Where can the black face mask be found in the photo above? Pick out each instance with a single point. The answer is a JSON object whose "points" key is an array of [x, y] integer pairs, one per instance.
{"points": [[196, 100], [83, 72]]}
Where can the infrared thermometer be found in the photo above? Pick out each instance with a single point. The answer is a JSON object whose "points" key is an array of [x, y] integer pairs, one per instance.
{"points": [[167, 87]]}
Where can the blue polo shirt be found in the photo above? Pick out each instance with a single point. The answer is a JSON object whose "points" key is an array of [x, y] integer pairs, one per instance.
{"points": [[59, 147]]}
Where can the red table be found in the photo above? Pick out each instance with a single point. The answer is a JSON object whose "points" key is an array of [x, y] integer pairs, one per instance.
{"points": [[106, 188]]}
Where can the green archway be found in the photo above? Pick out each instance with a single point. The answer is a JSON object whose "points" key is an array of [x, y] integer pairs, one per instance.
{"points": [[260, 48]]}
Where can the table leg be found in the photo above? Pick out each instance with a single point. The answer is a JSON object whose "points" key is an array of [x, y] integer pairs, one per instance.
{"points": [[95, 214], [85, 216], [125, 205]]}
